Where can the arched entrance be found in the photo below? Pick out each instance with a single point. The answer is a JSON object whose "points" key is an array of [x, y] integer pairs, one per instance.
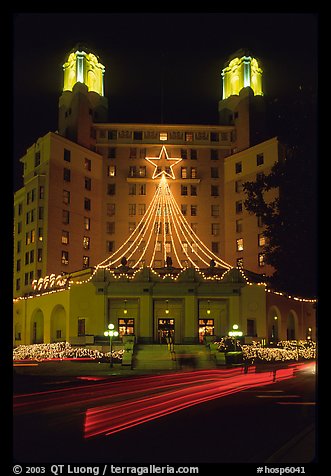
{"points": [[273, 325], [37, 327], [58, 324], [291, 326]]}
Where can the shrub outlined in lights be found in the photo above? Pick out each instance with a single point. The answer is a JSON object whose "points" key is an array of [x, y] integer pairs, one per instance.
{"points": [[61, 351]]}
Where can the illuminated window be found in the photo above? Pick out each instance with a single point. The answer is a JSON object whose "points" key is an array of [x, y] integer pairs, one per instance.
{"points": [[142, 171], [168, 247], [188, 136], [261, 239], [86, 242], [261, 259], [111, 170], [206, 328], [87, 223], [163, 136], [240, 263], [158, 246], [86, 261], [125, 326], [39, 255], [194, 172], [240, 244], [65, 237], [40, 234], [65, 257], [183, 172], [132, 226]]}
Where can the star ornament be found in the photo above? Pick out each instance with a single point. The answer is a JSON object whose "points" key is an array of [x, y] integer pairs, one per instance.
{"points": [[163, 162]]}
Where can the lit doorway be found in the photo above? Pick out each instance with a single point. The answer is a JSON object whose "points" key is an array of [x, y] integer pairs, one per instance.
{"points": [[166, 330], [206, 328]]}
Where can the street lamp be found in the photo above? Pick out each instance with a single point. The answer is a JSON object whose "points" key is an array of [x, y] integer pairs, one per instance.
{"points": [[111, 333]]}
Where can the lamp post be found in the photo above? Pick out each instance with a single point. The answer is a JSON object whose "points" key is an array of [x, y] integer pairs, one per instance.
{"points": [[111, 333]]}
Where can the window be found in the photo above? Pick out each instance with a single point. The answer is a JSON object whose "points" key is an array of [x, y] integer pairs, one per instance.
{"points": [[239, 225], [238, 167], [110, 246], [137, 135], [215, 210], [183, 190], [261, 239], [188, 136], [66, 175], [66, 197], [65, 257], [19, 227], [110, 227], [112, 134], [87, 223], [39, 255], [111, 209], [112, 152], [240, 244], [141, 208], [132, 209], [183, 153], [261, 259], [183, 209], [251, 328], [111, 171], [86, 242], [86, 261], [215, 229], [194, 154], [67, 155], [87, 183], [65, 237], [132, 189], [18, 265], [142, 171], [111, 189], [81, 327], [183, 172], [240, 263], [132, 226], [87, 203], [133, 153], [125, 326], [87, 164], [194, 227], [194, 210], [167, 247], [37, 159], [214, 190], [40, 234], [142, 189], [215, 246], [32, 256], [260, 222], [41, 192], [163, 136], [214, 172], [214, 136], [194, 172], [239, 206], [65, 217], [213, 154], [194, 190], [260, 159]]}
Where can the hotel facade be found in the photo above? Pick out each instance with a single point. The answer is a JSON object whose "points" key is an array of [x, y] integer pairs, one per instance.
{"points": [[103, 197]]}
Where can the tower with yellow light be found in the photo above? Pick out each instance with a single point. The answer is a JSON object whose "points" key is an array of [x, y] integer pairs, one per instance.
{"points": [[82, 102], [242, 102]]}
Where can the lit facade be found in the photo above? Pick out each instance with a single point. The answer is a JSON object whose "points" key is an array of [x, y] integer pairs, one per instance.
{"points": [[88, 186]]}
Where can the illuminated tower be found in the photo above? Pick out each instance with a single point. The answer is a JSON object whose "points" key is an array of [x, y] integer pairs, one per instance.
{"points": [[82, 102], [243, 103]]}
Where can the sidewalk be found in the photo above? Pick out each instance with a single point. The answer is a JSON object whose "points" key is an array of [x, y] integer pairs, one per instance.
{"points": [[302, 444]]}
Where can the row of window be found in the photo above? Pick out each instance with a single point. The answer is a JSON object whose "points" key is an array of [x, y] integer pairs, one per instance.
{"points": [[189, 136]]}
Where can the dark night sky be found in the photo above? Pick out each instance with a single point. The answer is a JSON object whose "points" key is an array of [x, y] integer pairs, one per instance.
{"points": [[187, 50]]}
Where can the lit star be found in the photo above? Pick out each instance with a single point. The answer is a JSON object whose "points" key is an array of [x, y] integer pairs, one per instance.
{"points": [[163, 155]]}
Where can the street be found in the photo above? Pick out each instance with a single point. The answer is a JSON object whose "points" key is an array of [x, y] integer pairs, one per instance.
{"points": [[202, 416]]}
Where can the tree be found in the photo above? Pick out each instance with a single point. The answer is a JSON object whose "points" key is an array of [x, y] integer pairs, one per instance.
{"points": [[291, 219]]}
